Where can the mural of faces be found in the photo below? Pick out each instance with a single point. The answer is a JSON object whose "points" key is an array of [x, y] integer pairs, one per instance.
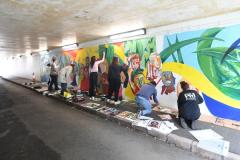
{"points": [[138, 81], [154, 66], [168, 82], [136, 74], [135, 61]]}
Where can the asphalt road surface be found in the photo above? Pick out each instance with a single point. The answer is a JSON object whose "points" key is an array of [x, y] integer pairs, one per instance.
{"points": [[34, 127]]}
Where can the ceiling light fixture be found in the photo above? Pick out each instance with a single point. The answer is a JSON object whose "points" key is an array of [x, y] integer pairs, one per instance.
{"points": [[129, 34], [70, 47]]}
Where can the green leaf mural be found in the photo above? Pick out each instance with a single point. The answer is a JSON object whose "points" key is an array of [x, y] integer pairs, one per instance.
{"points": [[223, 75], [232, 83], [173, 56], [178, 45], [179, 54], [143, 47], [205, 62], [109, 52]]}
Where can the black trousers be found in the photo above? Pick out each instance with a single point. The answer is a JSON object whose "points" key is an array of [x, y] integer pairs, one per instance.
{"points": [[54, 80], [93, 83], [114, 86]]}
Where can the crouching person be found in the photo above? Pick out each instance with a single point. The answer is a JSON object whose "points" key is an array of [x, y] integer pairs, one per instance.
{"points": [[65, 77], [188, 108], [143, 98]]}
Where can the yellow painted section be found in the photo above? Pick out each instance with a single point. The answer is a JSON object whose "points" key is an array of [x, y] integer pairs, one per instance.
{"points": [[84, 52], [201, 82], [119, 51]]}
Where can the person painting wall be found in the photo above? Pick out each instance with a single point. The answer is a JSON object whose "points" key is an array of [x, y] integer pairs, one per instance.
{"points": [[66, 77], [94, 75]]}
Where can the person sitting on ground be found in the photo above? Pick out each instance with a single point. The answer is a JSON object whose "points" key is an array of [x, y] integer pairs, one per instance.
{"points": [[143, 98], [188, 108], [65, 77]]}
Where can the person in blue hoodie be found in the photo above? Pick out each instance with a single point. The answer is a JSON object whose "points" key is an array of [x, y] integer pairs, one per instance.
{"points": [[143, 98]]}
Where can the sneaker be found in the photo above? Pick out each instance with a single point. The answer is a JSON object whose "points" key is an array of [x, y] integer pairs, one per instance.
{"points": [[108, 100], [183, 123], [112, 102], [194, 125], [117, 102]]}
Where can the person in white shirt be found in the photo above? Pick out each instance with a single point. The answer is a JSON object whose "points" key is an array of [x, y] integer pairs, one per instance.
{"points": [[93, 75], [65, 77], [53, 74]]}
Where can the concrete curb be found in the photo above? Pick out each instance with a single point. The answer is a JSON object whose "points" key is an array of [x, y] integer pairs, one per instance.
{"points": [[171, 139]]}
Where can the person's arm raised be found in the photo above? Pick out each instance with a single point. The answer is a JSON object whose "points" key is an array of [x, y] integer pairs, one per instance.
{"points": [[103, 58]]}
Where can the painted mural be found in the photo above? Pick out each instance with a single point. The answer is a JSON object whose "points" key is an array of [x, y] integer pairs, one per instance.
{"points": [[140, 57], [63, 58], [210, 61]]}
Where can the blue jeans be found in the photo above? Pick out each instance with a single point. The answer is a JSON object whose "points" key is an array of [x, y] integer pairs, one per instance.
{"points": [[63, 88], [143, 102]]}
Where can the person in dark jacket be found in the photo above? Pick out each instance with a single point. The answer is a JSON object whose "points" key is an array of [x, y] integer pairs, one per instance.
{"points": [[125, 71], [114, 80], [143, 98], [188, 108]]}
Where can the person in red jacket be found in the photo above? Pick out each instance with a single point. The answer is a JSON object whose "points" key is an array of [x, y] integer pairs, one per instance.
{"points": [[188, 108]]}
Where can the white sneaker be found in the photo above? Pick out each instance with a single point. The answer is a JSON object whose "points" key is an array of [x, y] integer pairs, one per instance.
{"points": [[117, 103], [108, 100], [112, 102]]}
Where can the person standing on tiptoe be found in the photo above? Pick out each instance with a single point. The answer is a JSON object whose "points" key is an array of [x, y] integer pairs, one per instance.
{"points": [[93, 75]]}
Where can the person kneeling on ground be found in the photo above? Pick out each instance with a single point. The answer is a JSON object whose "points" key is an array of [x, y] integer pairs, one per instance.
{"points": [[65, 77], [143, 98], [188, 108]]}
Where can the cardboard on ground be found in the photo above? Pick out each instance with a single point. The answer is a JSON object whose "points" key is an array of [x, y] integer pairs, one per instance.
{"points": [[206, 134], [218, 146]]}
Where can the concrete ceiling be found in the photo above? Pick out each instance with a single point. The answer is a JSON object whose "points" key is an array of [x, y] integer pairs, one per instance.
{"points": [[34, 25]]}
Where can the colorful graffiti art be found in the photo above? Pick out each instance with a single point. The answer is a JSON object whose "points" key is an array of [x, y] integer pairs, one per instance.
{"points": [[84, 83], [168, 82], [154, 66], [210, 60], [137, 54]]}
